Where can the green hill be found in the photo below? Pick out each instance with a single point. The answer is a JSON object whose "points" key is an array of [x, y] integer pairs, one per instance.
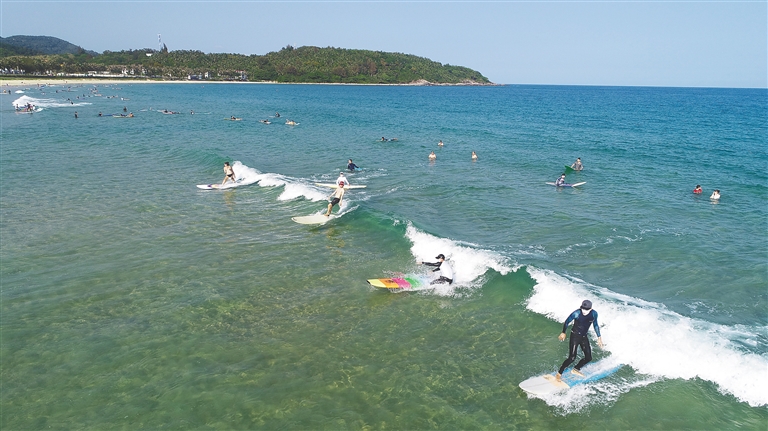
{"points": [[45, 45], [305, 64]]}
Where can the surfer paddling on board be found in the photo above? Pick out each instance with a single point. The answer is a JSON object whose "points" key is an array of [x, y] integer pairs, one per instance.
{"points": [[229, 173], [560, 181], [582, 319], [577, 166], [446, 272]]}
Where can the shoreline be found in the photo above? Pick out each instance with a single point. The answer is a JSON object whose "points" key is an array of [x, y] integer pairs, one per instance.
{"points": [[19, 82]]}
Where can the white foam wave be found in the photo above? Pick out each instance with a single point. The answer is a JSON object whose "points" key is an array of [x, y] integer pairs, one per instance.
{"points": [[46, 103], [658, 342], [467, 260]]}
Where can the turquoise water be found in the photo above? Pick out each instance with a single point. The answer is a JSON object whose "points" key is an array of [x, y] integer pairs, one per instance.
{"points": [[133, 300]]}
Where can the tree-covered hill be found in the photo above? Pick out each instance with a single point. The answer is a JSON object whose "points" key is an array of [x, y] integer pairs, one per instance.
{"points": [[304, 64], [45, 45]]}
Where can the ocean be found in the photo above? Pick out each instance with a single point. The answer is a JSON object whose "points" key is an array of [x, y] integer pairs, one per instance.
{"points": [[131, 299]]}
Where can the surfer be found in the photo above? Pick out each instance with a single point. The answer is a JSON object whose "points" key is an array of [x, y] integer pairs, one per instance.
{"points": [[560, 181], [698, 189], [342, 181], [582, 318], [75, 114], [577, 166], [446, 273], [351, 166], [229, 173], [474, 156], [335, 199], [383, 139], [432, 156], [715, 195]]}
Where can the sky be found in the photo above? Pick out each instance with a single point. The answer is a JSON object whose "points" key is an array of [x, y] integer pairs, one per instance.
{"points": [[627, 43]]}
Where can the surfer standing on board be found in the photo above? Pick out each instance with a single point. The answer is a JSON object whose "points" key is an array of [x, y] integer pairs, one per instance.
{"points": [[582, 319], [446, 272], [229, 173], [335, 199]]}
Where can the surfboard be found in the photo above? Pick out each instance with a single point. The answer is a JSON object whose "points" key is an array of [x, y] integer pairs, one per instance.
{"points": [[404, 283], [229, 185], [568, 169], [547, 383], [313, 219], [335, 186], [568, 185]]}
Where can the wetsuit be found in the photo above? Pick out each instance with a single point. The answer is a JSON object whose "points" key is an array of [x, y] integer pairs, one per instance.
{"points": [[579, 337], [446, 273], [560, 181], [352, 166]]}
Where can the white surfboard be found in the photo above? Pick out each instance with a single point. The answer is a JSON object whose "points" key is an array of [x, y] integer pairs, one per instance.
{"points": [[335, 186], [568, 185], [547, 383], [313, 219], [229, 185]]}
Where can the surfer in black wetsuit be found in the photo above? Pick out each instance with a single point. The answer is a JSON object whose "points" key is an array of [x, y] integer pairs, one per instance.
{"points": [[446, 273], [351, 166], [582, 319]]}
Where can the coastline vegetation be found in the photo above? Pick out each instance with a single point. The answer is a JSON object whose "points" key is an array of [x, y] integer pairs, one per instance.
{"points": [[306, 64]]}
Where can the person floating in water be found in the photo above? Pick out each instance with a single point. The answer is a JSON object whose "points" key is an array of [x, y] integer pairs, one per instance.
{"points": [[715, 195], [698, 189], [229, 173], [351, 166], [335, 199], [560, 181], [577, 166], [446, 272], [75, 114], [582, 319], [440, 144], [432, 155], [474, 156]]}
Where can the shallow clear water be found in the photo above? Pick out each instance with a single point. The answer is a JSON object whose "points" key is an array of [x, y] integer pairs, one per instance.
{"points": [[131, 299]]}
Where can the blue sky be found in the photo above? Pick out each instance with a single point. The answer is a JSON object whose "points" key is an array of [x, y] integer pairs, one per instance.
{"points": [[645, 43]]}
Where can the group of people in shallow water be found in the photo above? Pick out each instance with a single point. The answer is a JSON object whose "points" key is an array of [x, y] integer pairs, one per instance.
{"points": [[714, 196], [433, 156]]}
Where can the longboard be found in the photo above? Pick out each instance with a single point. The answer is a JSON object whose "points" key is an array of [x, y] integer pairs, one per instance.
{"points": [[547, 383], [229, 185], [313, 219], [335, 186], [568, 185], [400, 284]]}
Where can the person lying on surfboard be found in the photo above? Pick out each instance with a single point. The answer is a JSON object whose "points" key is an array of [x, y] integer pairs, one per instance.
{"points": [[229, 173], [335, 199], [446, 273], [560, 181], [582, 319]]}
